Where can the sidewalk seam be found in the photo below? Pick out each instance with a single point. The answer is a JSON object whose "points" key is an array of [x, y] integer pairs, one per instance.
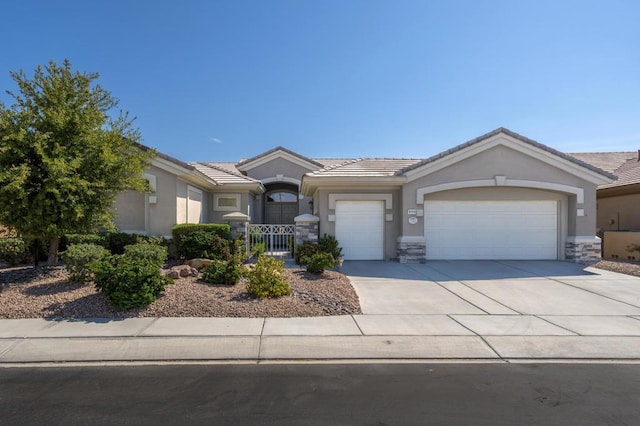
{"points": [[139, 333], [480, 336]]}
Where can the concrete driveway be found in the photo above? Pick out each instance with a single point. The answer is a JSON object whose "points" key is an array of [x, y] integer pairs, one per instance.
{"points": [[500, 298]]}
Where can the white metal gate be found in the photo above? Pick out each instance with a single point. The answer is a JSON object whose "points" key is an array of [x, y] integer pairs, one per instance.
{"points": [[278, 240]]}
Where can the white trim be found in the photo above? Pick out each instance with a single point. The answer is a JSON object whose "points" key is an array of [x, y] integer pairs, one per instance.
{"points": [[280, 179], [411, 239], [169, 166], [515, 144], [216, 198], [582, 239], [387, 198], [578, 192], [275, 155]]}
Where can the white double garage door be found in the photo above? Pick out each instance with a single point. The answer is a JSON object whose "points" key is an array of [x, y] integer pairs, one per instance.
{"points": [[457, 229]]}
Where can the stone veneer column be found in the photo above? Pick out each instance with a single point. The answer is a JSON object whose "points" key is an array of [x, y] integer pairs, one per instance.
{"points": [[238, 222], [583, 249], [411, 249], [306, 228]]}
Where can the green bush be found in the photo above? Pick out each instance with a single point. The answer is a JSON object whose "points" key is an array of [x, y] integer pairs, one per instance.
{"points": [[204, 244], [258, 249], [13, 250], [117, 241], [267, 278], [318, 262], [305, 251], [68, 240], [77, 258], [221, 272], [157, 254], [329, 244], [129, 282], [180, 231]]}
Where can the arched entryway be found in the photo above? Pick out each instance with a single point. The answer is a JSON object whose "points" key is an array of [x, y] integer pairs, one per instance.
{"points": [[281, 203]]}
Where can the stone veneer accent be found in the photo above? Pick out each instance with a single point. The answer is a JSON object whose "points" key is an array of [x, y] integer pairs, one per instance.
{"points": [[583, 249], [238, 222], [411, 250], [306, 228]]}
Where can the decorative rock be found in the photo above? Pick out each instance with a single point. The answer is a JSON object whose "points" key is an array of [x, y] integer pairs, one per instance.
{"points": [[173, 274], [185, 271], [198, 263]]}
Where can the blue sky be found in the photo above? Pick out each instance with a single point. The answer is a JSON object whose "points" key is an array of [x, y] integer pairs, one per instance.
{"points": [[224, 80]]}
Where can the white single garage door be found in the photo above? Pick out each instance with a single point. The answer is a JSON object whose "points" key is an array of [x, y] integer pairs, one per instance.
{"points": [[360, 229], [491, 229]]}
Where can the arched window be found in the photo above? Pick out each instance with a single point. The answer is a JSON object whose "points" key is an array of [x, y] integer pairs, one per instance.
{"points": [[282, 197]]}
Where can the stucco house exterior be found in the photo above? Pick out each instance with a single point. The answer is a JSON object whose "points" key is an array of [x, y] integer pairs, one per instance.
{"points": [[618, 202], [499, 196]]}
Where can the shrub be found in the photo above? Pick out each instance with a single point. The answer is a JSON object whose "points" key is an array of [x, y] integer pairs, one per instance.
{"points": [[156, 254], [318, 262], [305, 251], [267, 278], [68, 240], [204, 244], [77, 258], [129, 282], [117, 241], [633, 247], [258, 249], [329, 244], [13, 250], [180, 231], [221, 272]]}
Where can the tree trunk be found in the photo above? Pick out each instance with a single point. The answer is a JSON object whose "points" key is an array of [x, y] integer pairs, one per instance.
{"points": [[34, 249], [52, 260]]}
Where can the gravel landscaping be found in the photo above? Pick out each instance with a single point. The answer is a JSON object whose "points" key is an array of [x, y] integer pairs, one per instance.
{"points": [[629, 268], [46, 292]]}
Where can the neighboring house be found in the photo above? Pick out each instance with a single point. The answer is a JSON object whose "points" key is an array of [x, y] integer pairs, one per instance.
{"points": [[618, 201], [499, 196]]}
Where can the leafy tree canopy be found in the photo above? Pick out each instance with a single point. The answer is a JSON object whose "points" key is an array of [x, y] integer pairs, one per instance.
{"points": [[63, 157]]}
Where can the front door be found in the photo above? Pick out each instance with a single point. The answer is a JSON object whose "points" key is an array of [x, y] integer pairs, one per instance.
{"points": [[281, 207]]}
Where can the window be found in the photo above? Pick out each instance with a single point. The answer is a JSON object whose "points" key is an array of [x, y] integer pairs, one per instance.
{"points": [[226, 202], [282, 197]]}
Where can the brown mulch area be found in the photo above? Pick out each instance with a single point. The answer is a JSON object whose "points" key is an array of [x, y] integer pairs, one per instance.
{"points": [[46, 292], [623, 267]]}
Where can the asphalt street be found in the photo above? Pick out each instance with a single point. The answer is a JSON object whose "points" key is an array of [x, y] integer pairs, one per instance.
{"points": [[323, 394]]}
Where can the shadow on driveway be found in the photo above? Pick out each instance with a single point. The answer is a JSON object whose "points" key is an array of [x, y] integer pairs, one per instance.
{"points": [[464, 270]]}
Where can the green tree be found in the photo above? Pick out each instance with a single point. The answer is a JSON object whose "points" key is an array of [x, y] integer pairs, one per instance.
{"points": [[65, 155]]}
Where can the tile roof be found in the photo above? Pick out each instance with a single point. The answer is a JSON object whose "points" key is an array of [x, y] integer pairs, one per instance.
{"points": [[608, 161], [221, 175], [513, 135], [628, 174], [278, 148], [366, 167]]}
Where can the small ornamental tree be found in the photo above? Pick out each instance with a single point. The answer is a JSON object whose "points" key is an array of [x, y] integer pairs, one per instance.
{"points": [[63, 157]]}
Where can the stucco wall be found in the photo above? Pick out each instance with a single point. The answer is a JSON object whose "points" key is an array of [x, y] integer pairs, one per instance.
{"points": [[391, 229], [130, 210], [246, 199], [278, 166], [504, 161], [623, 211], [130, 206]]}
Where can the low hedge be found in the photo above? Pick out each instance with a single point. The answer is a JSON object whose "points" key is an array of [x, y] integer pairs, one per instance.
{"points": [[209, 240]]}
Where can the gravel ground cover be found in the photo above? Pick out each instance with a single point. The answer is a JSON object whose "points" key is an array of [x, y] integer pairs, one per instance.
{"points": [[46, 292], [629, 268]]}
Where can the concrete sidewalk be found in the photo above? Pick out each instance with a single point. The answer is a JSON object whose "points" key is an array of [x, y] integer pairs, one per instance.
{"points": [[352, 337]]}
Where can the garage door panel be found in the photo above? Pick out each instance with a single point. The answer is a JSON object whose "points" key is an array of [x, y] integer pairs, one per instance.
{"points": [[491, 230], [360, 229]]}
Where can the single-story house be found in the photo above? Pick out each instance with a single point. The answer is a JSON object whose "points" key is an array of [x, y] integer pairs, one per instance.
{"points": [[499, 196], [618, 202]]}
